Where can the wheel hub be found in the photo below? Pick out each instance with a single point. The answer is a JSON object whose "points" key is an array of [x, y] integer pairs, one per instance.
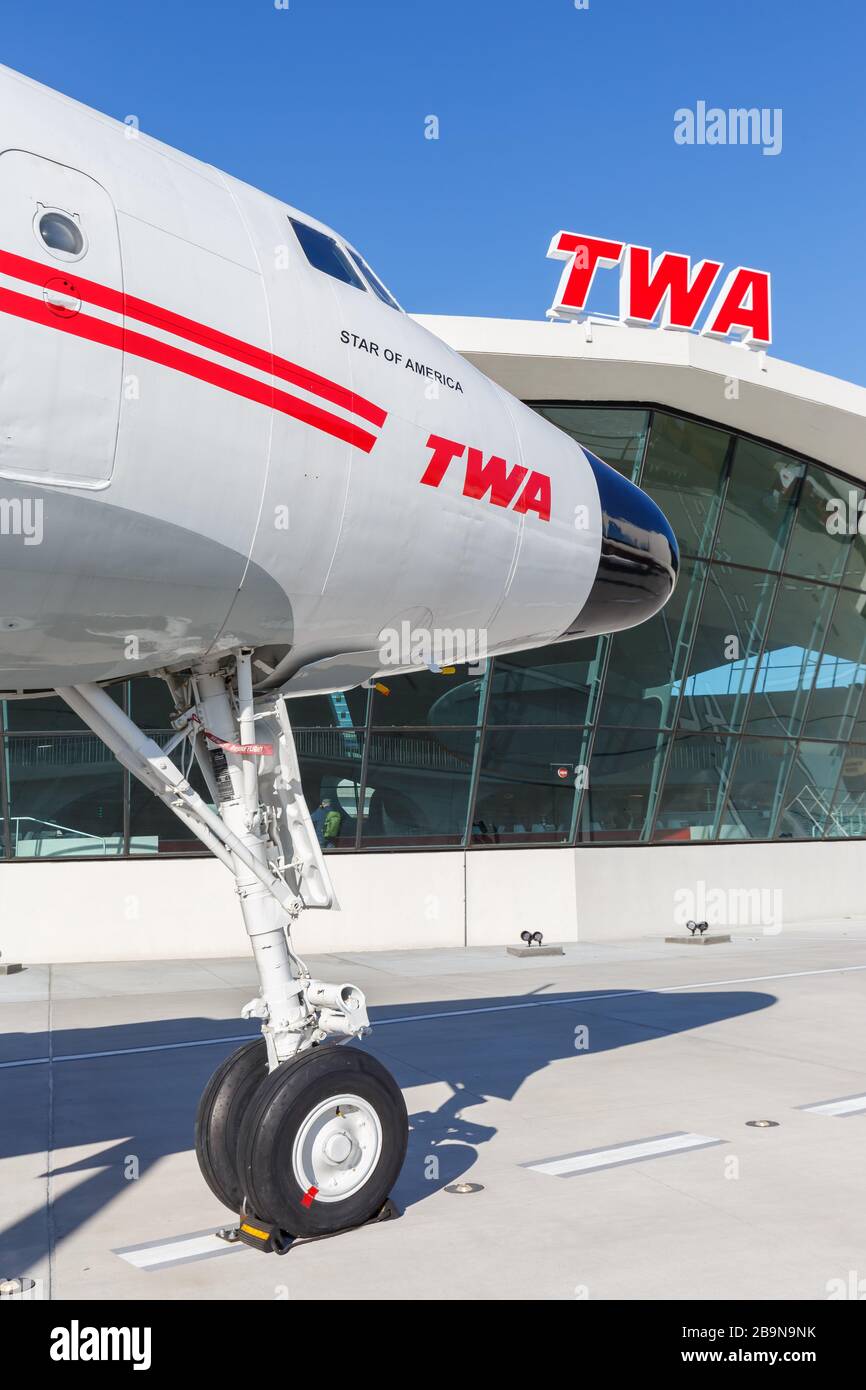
{"points": [[337, 1148]]}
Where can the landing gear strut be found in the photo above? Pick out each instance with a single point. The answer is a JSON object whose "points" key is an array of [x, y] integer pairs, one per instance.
{"points": [[294, 1130]]}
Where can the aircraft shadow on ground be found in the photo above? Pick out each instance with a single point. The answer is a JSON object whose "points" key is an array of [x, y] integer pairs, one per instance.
{"points": [[142, 1105]]}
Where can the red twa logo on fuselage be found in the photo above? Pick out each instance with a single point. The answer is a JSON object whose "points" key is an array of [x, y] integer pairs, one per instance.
{"points": [[493, 477]]}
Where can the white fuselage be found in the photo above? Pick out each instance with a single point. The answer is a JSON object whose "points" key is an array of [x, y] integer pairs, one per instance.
{"points": [[207, 442]]}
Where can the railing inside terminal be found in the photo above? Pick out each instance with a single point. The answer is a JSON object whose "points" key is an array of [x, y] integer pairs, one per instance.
{"points": [[735, 714]]}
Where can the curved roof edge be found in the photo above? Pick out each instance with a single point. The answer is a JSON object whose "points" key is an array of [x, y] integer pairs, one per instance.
{"points": [[734, 386]]}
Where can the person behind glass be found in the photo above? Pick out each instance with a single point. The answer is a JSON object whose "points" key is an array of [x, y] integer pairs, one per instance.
{"points": [[327, 820]]}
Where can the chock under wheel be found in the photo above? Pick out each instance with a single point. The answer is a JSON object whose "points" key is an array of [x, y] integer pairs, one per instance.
{"points": [[273, 1240]]}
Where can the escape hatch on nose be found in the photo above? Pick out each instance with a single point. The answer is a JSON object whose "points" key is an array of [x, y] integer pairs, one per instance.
{"points": [[61, 358]]}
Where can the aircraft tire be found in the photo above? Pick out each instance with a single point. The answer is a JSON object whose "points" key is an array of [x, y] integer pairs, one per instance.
{"points": [[323, 1141], [221, 1109]]}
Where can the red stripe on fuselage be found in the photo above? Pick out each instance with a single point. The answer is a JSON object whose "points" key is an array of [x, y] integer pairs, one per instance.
{"points": [[114, 335], [104, 297]]}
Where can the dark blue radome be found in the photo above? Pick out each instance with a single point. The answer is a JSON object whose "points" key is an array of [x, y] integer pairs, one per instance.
{"points": [[639, 558]]}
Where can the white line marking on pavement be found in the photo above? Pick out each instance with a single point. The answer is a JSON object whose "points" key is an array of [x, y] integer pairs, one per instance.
{"points": [[845, 1105], [598, 997], [634, 1152], [162, 1254], [127, 1051]]}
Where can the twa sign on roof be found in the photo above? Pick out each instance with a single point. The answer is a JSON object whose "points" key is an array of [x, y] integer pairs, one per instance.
{"points": [[666, 291]]}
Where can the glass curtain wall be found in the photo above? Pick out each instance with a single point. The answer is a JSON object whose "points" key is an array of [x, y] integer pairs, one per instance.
{"points": [[737, 713]]}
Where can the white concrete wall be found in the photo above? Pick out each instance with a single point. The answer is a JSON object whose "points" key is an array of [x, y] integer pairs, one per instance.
{"points": [[626, 893], [147, 909], [509, 891]]}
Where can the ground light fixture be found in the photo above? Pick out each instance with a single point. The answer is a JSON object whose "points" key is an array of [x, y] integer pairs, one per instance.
{"points": [[16, 1288]]}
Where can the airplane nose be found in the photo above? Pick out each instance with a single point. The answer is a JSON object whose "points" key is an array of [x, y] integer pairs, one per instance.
{"points": [[639, 557]]}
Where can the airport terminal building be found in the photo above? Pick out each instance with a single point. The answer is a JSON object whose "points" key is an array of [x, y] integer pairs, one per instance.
{"points": [[587, 788]]}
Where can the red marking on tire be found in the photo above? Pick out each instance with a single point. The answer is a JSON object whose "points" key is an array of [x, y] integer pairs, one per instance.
{"points": [[309, 1197]]}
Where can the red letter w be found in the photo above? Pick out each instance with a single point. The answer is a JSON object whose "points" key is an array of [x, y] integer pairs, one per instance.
{"points": [[494, 477]]}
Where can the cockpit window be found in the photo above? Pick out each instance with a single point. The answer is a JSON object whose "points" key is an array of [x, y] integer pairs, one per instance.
{"points": [[61, 234], [373, 280], [324, 254]]}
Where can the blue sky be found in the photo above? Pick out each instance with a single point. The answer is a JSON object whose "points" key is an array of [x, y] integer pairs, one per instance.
{"points": [[549, 117]]}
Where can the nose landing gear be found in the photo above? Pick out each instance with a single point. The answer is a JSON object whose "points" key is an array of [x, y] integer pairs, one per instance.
{"points": [[301, 1135]]}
